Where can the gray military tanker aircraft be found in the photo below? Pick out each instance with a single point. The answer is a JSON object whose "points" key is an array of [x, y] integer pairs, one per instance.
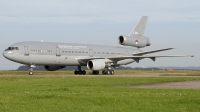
{"points": [[54, 56]]}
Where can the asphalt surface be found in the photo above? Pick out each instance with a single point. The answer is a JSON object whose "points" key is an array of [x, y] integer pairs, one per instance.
{"points": [[172, 85]]}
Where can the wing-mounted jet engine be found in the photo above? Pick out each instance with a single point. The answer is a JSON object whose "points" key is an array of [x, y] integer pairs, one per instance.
{"points": [[136, 38], [96, 64]]}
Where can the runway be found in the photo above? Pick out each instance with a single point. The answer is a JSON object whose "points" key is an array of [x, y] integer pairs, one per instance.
{"points": [[100, 75]]}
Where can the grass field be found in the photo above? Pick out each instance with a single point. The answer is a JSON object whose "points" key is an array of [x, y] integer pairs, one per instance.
{"points": [[94, 94]]}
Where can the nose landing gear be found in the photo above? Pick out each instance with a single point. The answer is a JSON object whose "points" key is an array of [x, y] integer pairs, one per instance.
{"points": [[30, 72], [31, 69]]}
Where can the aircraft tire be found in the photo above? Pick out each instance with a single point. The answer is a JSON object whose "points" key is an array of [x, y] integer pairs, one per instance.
{"points": [[104, 72], [31, 73], [112, 72], [80, 72], [108, 72], [95, 72], [83, 72], [75, 72]]}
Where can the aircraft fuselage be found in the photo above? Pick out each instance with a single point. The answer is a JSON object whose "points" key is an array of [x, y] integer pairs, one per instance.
{"points": [[64, 54]]}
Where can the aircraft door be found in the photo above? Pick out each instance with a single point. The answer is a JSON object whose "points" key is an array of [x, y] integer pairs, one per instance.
{"points": [[90, 52], [58, 52], [26, 50]]}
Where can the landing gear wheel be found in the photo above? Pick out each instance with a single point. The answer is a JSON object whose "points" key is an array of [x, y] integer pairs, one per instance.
{"points": [[80, 72], [75, 72], [112, 72], [31, 73], [83, 72], [108, 72], [95, 72], [104, 72], [31, 69]]}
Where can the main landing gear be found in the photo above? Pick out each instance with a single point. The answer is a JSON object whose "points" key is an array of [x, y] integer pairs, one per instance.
{"points": [[104, 72], [79, 71], [108, 72], [95, 72]]}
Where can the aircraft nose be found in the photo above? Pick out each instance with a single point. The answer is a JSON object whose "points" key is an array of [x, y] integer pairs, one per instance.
{"points": [[6, 54]]}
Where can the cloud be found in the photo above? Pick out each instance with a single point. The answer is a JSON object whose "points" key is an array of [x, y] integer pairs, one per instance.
{"points": [[89, 11]]}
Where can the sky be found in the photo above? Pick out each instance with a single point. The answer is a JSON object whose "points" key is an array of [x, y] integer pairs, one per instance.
{"points": [[171, 23]]}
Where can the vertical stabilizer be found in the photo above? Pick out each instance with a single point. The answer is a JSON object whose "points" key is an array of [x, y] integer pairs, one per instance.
{"points": [[140, 27]]}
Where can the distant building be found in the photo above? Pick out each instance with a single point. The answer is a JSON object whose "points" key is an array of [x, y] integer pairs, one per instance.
{"points": [[170, 69]]}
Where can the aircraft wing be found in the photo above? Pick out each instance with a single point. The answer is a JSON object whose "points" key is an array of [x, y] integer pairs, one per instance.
{"points": [[136, 58], [148, 52]]}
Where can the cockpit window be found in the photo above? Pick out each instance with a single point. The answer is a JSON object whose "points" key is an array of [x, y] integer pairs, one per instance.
{"points": [[12, 48]]}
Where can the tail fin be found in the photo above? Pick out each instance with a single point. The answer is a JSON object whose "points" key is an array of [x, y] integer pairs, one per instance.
{"points": [[140, 27]]}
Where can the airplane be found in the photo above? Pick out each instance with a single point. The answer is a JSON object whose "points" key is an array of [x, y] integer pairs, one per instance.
{"points": [[54, 56]]}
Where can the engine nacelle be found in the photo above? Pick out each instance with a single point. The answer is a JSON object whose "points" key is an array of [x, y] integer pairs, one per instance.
{"points": [[134, 41], [53, 68], [96, 64]]}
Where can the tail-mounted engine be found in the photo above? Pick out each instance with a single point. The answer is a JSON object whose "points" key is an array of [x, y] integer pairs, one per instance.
{"points": [[134, 41]]}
